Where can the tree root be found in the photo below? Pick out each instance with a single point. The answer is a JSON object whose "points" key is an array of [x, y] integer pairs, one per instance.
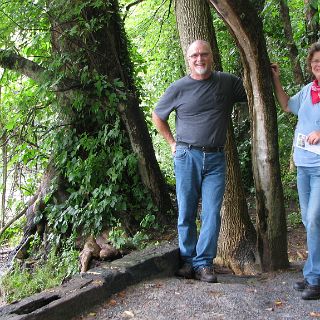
{"points": [[36, 205], [98, 248]]}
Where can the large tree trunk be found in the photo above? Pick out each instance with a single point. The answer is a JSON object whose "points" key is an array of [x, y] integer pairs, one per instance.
{"points": [[102, 52], [246, 27], [237, 237], [110, 58], [105, 52], [194, 21], [237, 241]]}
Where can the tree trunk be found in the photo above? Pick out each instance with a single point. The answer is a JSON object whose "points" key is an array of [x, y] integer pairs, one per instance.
{"points": [[111, 59], [4, 178], [237, 237], [246, 26], [312, 21], [194, 22], [4, 174], [35, 206], [101, 51], [294, 57], [292, 48], [237, 240]]}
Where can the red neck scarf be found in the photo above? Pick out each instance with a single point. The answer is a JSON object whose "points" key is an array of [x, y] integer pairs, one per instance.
{"points": [[315, 92]]}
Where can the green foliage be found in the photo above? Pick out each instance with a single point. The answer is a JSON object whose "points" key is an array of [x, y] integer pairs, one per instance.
{"points": [[243, 142], [12, 236], [229, 53], [277, 42], [118, 236], [33, 27], [102, 183], [26, 119], [158, 60], [21, 281], [121, 240], [289, 182], [294, 219], [93, 152], [286, 125]]}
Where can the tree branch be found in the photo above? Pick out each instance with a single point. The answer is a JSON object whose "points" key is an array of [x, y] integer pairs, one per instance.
{"points": [[15, 62], [129, 6], [11, 221], [32, 70]]}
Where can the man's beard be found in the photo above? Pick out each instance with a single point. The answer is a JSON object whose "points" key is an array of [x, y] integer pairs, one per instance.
{"points": [[201, 70]]}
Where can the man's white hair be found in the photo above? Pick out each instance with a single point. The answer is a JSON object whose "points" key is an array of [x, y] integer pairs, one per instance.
{"points": [[198, 42]]}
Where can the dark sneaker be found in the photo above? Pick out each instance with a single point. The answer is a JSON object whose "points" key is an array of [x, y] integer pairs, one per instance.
{"points": [[186, 271], [206, 274], [311, 292], [300, 285]]}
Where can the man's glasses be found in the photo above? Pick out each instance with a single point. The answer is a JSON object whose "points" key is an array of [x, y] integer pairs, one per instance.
{"points": [[202, 55]]}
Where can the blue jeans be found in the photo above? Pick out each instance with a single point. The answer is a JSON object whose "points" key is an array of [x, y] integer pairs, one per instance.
{"points": [[199, 174], [308, 181]]}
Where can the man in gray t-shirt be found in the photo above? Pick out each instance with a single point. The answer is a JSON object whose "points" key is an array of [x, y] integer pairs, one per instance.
{"points": [[203, 103]]}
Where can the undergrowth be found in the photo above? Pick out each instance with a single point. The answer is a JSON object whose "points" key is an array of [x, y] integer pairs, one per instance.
{"points": [[35, 276]]}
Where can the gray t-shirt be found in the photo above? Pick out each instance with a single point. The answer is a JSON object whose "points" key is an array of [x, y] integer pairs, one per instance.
{"points": [[202, 107]]}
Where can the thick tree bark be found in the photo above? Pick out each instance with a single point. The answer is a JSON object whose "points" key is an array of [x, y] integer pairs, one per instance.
{"points": [[237, 237], [194, 22], [237, 241], [111, 58], [246, 27]]}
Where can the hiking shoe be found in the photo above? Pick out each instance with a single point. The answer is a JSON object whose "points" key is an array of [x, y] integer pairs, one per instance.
{"points": [[300, 285], [311, 292], [206, 274], [186, 271]]}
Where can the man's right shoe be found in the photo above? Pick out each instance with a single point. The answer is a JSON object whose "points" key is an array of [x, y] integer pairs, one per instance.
{"points": [[300, 285], [311, 292], [186, 271], [206, 274]]}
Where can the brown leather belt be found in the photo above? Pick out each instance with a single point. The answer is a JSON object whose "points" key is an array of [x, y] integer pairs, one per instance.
{"points": [[203, 149]]}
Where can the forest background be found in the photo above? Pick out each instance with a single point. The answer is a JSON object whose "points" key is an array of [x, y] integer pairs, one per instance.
{"points": [[72, 168]]}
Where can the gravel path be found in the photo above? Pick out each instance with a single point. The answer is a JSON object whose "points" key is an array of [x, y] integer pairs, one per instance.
{"points": [[235, 298]]}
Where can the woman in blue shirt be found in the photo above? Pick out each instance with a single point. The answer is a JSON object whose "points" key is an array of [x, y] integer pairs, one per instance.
{"points": [[306, 105]]}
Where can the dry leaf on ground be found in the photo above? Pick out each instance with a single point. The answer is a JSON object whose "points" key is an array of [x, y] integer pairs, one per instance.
{"points": [[315, 314]]}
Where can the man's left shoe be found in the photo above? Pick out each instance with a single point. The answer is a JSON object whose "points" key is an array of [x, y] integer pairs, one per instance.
{"points": [[185, 271], [300, 285], [311, 292], [206, 274]]}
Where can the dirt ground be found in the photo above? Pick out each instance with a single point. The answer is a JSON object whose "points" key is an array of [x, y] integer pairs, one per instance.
{"points": [[296, 249], [264, 297], [297, 244], [269, 297]]}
